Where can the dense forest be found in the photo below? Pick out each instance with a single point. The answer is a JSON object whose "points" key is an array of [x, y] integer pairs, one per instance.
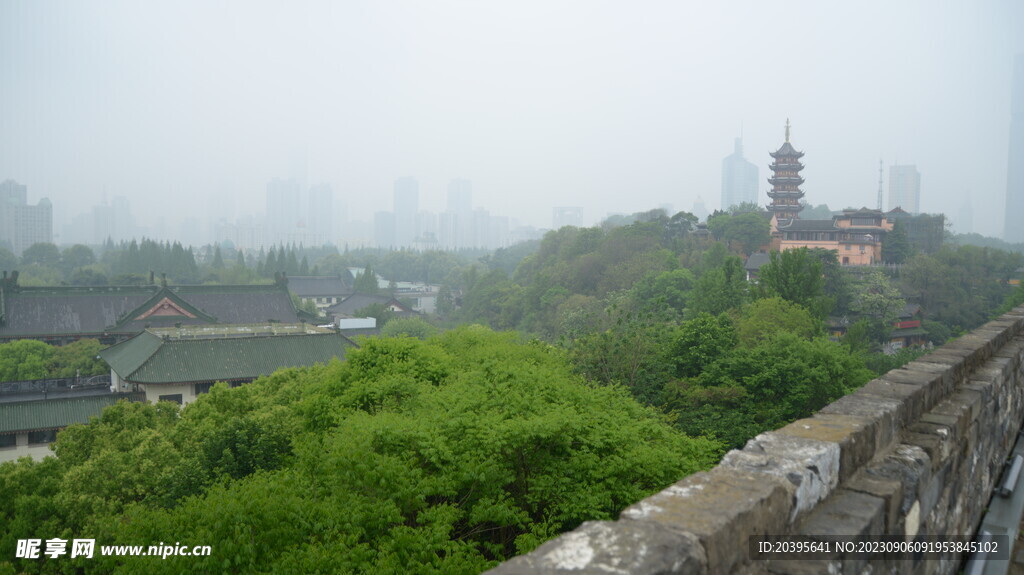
{"points": [[559, 381], [439, 456]]}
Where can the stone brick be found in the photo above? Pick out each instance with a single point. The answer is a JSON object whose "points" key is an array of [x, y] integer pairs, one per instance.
{"points": [[909, 465], [882, 418], [809, 465], [888, 490], [723, 508], [602, 547], [855, 436]]}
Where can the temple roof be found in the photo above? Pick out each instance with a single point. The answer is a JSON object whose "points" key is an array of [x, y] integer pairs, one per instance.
{"points": [[787, 150], [93, 311], [809, 226], [321, 286], [158, 357]]}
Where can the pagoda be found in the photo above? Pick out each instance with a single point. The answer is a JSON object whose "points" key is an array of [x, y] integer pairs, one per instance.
{"points": [[785, 181]]}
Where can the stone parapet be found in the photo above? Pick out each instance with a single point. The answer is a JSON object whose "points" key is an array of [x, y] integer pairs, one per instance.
{"points": [[917, 451]]}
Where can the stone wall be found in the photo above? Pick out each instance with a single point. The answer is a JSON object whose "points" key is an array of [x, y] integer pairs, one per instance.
{"points": [[916, 451]]}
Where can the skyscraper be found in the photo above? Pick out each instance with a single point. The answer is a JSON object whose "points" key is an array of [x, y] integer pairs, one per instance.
{"points": [[905, 189], [407, 206], [1013, 230], [22, 225], [320, 221], [456, 225], [566, 216], [739, 179], [284, 204]]}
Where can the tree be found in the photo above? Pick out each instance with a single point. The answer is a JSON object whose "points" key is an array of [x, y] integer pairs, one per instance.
{"points": [[8, 261], [794, 276], [878, 298], [24, 359], [88, 276], [700, 342], [408, 327], [664, 291], [77, 256], [896, 248], [366, 282], [745, 231], [42, 253], [446, 455], [720, 289], [378, 311], [79, 358], [218, 259], [764, 317]]}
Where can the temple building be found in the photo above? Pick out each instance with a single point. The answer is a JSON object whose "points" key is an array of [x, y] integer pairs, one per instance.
{"points": [[855, 235], [785, 181]]}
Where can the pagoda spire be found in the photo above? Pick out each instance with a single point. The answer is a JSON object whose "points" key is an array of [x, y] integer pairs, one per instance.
{"points": [[787, 130]]}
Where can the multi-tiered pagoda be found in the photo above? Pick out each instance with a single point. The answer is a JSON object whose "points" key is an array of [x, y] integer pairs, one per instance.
{"points": [[786, 182]]}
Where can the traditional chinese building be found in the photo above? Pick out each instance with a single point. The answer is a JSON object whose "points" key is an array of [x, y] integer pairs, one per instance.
{"points": [[786, 181], [855, 235]]}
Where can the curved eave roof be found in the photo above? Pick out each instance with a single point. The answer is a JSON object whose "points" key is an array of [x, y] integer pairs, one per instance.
{"points": [[148, 358]]}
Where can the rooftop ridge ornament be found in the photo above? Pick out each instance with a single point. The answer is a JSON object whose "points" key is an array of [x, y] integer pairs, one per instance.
{"points": [[787, 130]]}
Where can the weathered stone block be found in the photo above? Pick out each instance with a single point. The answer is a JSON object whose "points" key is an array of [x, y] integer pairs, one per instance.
{"points": [[909, 465], [855, 436], [888, 490], [846, 514], [723, 508], [809, 465], [602, 547]]}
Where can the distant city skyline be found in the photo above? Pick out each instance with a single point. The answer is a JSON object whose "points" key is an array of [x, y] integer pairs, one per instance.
{"points": [[614, 107]]}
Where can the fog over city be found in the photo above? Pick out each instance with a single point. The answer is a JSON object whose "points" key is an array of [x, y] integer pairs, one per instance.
{"points": [[188, 109]]}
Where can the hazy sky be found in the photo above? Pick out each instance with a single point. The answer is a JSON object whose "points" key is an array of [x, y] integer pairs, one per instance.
{"points": [[188, 107]]}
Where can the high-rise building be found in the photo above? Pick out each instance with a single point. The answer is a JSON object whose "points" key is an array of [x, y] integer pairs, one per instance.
{"points": [[905, 189], [22, 225], [1013, 231], [284, 204], [384, 229], [739, 179], [460, 196], [567, 216], [456, 225], [785, 181], [320, 221], [407, 206]]}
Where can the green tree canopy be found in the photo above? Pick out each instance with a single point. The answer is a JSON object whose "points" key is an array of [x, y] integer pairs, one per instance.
{"points": [[446, 455], [762, 318], [42, 253], [366, 282], [24, 359], [795, 276]]}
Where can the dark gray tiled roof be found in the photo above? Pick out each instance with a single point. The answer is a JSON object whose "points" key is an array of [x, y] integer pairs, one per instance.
{"points": [[150, 358], [356, 302], [755, 261], [319, 286], [60, 311], [809, 226], [55, 413]]}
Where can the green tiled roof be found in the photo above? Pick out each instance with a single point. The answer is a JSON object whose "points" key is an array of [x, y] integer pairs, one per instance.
{"points": [[53, 413], [150, 358]]}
